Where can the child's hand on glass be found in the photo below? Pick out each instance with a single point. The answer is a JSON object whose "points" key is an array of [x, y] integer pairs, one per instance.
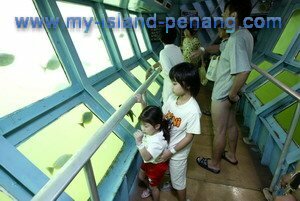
{"points": [[139, 98], [138, 135]]}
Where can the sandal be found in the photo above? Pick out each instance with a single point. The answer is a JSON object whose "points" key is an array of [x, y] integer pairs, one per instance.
{"points": [[204, 164], [227, 159], [268, 194], [146, 193], [206, 112]]}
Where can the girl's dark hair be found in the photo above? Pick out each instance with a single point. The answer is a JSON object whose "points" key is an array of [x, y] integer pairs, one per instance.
{"points": [[187, 75], [243, 9], [153, 115]]}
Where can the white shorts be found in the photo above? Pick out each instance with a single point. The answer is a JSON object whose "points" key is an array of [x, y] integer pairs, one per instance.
{"points": [[178, 170]]}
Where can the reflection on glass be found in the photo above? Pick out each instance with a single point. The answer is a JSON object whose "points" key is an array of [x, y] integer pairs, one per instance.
{"points": [[140, 74], [285, 118], [121, 35], [116, 94], [290, 30], [29, 68], [88, 42], [139, 33], [54, 145], [297, 58]]}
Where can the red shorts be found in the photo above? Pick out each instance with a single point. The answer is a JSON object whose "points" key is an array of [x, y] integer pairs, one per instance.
{"points": [[155, 172]]}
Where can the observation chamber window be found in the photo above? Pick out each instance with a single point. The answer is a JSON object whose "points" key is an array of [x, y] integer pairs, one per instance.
{"points": [[51, 147]]}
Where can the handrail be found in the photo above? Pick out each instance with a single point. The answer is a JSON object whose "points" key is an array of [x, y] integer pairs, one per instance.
{"points": [[55, 186], [292, 129], [281, 85]]}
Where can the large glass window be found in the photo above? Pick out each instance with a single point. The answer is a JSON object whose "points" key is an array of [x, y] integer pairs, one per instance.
{"points": [[116, 94], [297, 58], [29, 67], [285, 118], [139, 33], [140, 74], [54, 145], [113, 2], [89, 43], [151, 61], [290, 30], [120, 34], [269, 91], [264, 65], [5, 196]]}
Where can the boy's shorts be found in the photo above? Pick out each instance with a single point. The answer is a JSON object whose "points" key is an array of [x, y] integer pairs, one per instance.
{"points": [[178, 170], [155, 172]]}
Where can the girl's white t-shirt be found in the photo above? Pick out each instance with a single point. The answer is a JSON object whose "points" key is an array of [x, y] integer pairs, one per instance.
{"points": [[155, 145], [183, 119]]}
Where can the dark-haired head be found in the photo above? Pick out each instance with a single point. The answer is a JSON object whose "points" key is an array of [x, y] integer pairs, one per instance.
{"points": [[154, 116], [187, 76], [168, 38], [242, 8], [191, 31]]}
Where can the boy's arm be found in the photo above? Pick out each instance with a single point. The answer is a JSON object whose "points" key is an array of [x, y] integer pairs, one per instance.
{"points": [[140, 99], [184, 142], [181, 145]]}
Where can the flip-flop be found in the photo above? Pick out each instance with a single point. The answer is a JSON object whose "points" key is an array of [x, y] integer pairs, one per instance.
{"points": [[206, 112], [204, 164], [146, 193], [227, 159]]}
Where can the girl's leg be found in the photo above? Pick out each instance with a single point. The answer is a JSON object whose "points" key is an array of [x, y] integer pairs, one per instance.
{"points": [[143, 177], [155, 193]]}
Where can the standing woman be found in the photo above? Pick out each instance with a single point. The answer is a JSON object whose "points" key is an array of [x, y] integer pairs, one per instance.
{"points": [[190, 44]]}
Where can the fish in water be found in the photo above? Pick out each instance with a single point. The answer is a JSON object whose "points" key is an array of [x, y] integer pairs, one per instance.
{"points": [[86, 118], [59, 162], [6, 59], [52, 64], [130, 114]]}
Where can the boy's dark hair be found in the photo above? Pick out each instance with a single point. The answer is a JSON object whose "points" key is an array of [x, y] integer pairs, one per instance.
{"points": [[153, 115], [187, 76], [242, 8], [168, 38]]}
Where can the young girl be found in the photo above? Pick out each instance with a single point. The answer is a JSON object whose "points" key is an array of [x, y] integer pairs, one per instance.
{"points": [[151, 141], [184, 115]]}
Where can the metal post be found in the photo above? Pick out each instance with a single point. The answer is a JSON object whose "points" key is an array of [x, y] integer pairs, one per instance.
{"points": [[287, 143], [89, 174]]}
